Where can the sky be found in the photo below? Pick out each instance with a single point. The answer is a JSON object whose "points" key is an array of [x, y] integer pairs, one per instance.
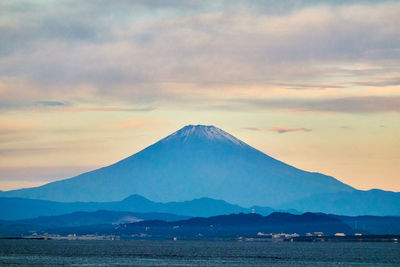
{"points": [[315, 84]]}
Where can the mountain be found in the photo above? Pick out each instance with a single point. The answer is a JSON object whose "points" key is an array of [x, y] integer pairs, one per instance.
{"points": [[372, 202], [242, 224], [78, 222], [22, 208], [373, 225], [81, 218], [161, 225], [194, 162]]}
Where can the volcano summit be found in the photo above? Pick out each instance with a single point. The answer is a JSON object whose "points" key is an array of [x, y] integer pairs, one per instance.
{"points": [[196, 161]]}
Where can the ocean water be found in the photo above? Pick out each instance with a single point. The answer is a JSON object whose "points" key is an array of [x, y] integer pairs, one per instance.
{"points": [[195, 253]]}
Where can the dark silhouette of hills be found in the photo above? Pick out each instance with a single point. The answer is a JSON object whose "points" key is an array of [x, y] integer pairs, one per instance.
{"points": [[161, 225], [81, 218], [246, 219], [243, 224], [277, 222], [79, 221], [373, 225]]}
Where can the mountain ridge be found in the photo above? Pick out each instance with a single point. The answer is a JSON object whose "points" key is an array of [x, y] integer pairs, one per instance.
{"points": [[150, 225], [358, 202], [243, 224], [22, 208]]}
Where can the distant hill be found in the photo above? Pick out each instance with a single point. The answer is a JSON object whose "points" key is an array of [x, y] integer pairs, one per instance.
{"points": [[243, 224], [81, 218], [277, 222], [22, 208], [374, 225], [372, 202], [162, 225], [78, 222]]}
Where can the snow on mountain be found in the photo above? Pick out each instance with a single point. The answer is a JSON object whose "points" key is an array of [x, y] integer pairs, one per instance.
{"points": [[211, 133]]}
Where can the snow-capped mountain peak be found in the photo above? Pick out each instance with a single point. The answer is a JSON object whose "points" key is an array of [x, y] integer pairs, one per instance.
{"points": [[205, 132]]}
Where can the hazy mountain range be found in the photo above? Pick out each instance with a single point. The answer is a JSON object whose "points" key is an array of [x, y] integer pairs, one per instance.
{"points": [[357, 202], [81, 218], [204, 161], [22, 208]]}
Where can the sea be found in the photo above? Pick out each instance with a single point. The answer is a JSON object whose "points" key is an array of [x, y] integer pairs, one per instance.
{"points": [[195, 253]]}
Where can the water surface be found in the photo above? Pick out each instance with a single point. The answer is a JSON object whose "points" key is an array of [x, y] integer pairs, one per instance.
{"points": [[195, 253]]}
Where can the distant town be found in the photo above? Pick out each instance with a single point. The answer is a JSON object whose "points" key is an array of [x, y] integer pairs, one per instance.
{"points": [[260, 237]]}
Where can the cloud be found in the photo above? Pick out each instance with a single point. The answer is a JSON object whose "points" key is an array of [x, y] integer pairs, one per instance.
{"points": [[106, 109], [361, 104], [32, 104], [49, 104], [139, 51], [68, 107], [251, 128], [367, 104], [380, 82], [281, 129]]}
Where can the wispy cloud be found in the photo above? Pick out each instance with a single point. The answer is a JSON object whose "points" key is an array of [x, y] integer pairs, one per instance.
{"points": [[251, 128], [68, 107], [32, 104], [49, 104], [281, 129], [380, 82], [362, 104], [105, 109]]}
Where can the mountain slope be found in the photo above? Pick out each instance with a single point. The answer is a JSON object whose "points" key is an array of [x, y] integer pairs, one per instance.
{"points": [[196, 161]]}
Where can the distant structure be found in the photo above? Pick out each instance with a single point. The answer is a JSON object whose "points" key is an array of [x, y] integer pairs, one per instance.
{"points": [[340, 234], [253, 211]]}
